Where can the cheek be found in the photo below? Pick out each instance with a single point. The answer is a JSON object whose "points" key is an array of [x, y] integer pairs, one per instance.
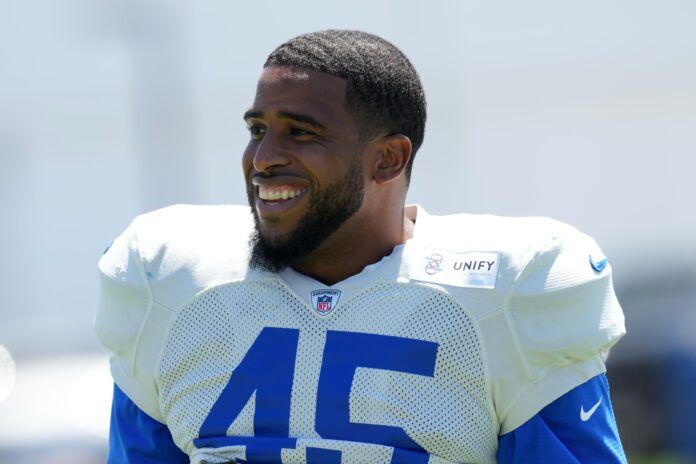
{"points": [[327, 163]]}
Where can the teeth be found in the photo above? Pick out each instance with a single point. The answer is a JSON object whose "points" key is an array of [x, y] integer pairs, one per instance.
{"points": [[278, 193]]}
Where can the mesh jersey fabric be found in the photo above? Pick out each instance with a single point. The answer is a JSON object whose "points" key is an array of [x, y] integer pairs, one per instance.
{"points": [[448, 413], [182, 313], [556, 434]]}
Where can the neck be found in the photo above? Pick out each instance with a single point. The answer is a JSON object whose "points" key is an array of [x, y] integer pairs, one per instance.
{"points": [[359, 242]]}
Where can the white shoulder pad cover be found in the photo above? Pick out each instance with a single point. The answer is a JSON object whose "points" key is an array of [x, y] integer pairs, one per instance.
{"points": [[562, 315], [125, 302], [157, 265]]}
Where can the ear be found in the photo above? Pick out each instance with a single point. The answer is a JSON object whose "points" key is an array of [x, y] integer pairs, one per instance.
{"points": [[392, 155]]}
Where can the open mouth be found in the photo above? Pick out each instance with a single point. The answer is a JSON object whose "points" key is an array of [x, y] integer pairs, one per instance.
{"points": [[279, 197], [279, 193]]}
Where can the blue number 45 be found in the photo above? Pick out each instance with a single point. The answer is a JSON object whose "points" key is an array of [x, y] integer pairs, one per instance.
{"points": [[268, 369]]}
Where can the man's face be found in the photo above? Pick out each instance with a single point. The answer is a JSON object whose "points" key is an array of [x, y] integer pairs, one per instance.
{"points": [[302, 166]]}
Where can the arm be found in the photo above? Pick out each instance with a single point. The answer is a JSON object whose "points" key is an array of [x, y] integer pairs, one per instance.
{"points": [[560, 317], [579, 427], [136, 438], [125, 326]]}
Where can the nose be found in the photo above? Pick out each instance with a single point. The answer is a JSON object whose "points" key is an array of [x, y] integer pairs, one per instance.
{"points": [[269, 153]]}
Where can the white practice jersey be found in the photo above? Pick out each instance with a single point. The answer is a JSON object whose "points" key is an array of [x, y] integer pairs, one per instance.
{"points": [[458, 336]]}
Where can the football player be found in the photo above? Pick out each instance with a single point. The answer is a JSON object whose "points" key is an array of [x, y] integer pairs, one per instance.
{"points": [[328, 323]]}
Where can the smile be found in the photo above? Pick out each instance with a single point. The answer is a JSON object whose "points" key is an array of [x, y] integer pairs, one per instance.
{"points": [[278, 202], [279, 197], [279, 192]]}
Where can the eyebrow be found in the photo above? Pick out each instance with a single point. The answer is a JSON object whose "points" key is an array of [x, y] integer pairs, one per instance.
{"points": [[303, 118]]}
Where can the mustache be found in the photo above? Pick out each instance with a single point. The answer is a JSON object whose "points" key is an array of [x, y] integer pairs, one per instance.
{"points": [[270, 175]]}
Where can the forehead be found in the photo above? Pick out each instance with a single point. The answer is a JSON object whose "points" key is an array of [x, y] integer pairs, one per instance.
{"points": [[282, 88]]}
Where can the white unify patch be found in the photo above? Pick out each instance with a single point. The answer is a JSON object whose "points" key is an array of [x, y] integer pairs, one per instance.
{"points": [[475, 269], [325, 300]]}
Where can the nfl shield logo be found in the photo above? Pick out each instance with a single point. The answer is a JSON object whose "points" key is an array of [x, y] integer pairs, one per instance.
{"points": [[325, 300], [324, 304]]}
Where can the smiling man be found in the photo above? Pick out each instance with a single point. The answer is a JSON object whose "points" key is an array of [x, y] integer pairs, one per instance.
{"points": [[329, 323]]}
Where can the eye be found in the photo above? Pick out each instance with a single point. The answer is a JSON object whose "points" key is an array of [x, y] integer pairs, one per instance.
{"points": [[301, 132], [257, 131]]}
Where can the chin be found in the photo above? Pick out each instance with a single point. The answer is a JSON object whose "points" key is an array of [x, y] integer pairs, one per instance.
{"points": [[274, 234]]}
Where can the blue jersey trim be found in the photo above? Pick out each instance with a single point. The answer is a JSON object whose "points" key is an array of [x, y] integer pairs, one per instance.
{"points": [[578, 427], [556, 434], [136, 438]]}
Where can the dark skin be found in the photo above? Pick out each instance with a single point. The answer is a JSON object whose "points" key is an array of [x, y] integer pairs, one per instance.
{"points": [[302, 138]]}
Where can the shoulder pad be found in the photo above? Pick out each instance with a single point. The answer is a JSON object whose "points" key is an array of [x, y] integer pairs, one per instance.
{"points": [[162, 260]]}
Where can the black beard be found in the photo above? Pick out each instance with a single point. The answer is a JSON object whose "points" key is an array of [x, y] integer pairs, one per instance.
{"points": [[327, 211]]}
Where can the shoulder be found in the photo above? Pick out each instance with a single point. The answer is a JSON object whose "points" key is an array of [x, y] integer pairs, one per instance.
{"points": [[548, 313], [161, 261], [182, 249], [178, 227], [186, 233], [520, 244]]}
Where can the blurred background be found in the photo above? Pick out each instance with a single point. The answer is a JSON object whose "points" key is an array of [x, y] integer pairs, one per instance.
{"points": [[583, 111]]}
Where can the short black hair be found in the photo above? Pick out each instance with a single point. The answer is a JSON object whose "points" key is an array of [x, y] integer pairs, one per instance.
{"points": [[383, 92]]}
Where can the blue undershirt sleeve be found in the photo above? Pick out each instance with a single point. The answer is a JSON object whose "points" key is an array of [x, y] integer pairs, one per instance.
{"points": [[136, 438], [577, 428]]}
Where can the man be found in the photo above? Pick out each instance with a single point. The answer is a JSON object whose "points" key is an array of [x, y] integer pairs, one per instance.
{"points": [[330, 324]]}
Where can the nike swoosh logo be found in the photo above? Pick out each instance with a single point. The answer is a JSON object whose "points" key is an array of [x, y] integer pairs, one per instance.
{"points": [[585, 415], [598, 265]]}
